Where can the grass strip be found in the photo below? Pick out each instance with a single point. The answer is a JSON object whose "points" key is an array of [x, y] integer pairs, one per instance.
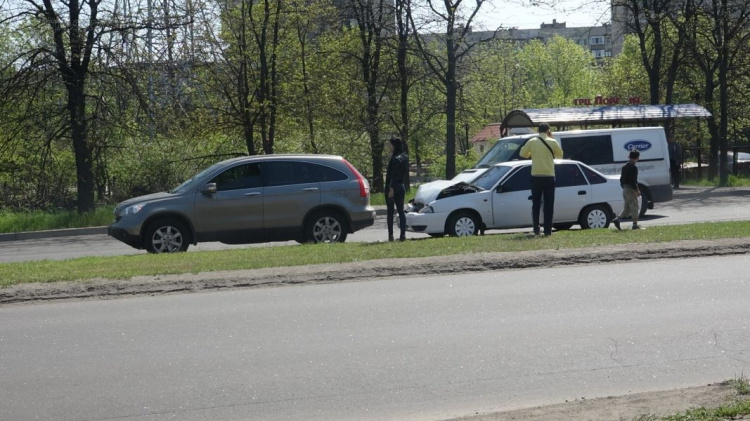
{"points": [[40, 220], [126, 267]]}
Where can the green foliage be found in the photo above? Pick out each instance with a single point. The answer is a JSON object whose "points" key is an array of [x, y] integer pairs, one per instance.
{"points": [[557, 72], [437, 168]]}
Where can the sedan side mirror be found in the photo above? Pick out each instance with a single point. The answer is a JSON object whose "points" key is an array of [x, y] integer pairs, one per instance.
{"points": [[209, 189], [500, 189]]}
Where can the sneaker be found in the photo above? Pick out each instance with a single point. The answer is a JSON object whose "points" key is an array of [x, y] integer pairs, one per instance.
{"points": [[402, 238], [636, 227], [390, 238], [616, 221]]}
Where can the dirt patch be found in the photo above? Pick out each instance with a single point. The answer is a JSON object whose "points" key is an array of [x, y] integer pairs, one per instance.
{"points": [[366, 270], [629, 407]]}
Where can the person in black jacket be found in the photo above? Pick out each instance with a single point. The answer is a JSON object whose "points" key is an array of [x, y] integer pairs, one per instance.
{"points": [[398, 167], [630, 190]]}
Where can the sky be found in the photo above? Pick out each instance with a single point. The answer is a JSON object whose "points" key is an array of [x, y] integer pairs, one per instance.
{"points": [[512, 13]]}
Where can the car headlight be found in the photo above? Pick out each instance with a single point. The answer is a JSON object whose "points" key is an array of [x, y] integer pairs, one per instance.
{"points": [[132, 210], [427, 209]]}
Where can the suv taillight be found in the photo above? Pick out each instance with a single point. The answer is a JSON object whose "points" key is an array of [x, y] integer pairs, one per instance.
{"points": [[364, 188]]}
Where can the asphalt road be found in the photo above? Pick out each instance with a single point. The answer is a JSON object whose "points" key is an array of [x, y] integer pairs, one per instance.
{"points": [[689, 205], [423, 348]]}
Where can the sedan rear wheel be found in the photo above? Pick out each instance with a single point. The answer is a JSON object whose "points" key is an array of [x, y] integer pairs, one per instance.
{"points": [[596, 216], [463, 224]]}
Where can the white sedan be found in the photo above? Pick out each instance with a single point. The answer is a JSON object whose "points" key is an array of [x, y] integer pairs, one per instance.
{"points": [[500, 198]]}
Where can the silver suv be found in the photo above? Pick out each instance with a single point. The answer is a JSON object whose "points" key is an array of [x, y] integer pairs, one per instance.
{"points": [[253, 199]]}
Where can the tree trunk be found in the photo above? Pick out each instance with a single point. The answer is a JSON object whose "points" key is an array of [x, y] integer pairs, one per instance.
{"points": [[84, 164], [450, 111]]}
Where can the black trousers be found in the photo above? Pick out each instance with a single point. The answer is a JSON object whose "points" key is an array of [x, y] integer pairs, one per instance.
{"points": [[542, 189], [399, 192], [674, 169]]}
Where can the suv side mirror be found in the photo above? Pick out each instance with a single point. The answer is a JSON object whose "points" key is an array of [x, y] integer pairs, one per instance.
{"points": [[209, 189]]}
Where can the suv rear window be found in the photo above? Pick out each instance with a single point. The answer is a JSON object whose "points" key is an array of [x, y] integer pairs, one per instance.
{"points": [[323, 173]]}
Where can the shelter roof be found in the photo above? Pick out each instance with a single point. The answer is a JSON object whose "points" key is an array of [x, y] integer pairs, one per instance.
{"points": [[614, 115]]}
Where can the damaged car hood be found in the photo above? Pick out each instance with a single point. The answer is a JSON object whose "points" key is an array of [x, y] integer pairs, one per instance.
{"points": [[428, 192], [435, 190]]}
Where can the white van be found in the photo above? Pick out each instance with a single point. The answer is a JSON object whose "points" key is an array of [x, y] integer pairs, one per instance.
{"points": [[606, 150]]}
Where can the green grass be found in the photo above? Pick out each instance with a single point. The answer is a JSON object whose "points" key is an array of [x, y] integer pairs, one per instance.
{"points": [[39, 220], [378, 199], [739, 405], [125, 267]]}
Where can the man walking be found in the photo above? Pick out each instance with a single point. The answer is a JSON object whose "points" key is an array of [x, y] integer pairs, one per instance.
{"points": [[542, 150], [630, 191]]}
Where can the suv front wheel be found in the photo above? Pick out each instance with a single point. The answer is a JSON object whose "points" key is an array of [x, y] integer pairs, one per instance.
{"points": [[166, 235], [326, 227]]}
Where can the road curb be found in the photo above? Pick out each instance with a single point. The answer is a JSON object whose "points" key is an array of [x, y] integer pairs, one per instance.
{"points": [[70, 232]]}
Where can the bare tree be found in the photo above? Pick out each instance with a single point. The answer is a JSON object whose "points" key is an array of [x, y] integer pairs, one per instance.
{"points": [[372, 20], [718, 44], [445, 67], [65, 42]]}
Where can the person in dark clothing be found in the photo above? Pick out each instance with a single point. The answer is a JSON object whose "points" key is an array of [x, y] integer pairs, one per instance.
{"points": [[398, 167], [675, 162], [630, 190]]}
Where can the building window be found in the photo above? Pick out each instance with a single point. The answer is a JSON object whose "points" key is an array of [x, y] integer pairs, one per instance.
{"points": [[597, 40], [608, 53], [583, 42], [598, 53]]}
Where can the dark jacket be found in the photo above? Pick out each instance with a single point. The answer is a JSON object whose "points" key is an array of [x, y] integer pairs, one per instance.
{"points": [[629, 176], [398, 167]]}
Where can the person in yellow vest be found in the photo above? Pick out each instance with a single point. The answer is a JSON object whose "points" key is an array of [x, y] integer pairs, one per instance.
{"points": [[543, 150]]}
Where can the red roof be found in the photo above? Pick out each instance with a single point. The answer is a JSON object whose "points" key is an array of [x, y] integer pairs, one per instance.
{"points": [[489, 132]]}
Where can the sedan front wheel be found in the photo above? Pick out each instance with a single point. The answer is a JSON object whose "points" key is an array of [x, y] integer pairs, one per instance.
{"points": [[463, 224]]}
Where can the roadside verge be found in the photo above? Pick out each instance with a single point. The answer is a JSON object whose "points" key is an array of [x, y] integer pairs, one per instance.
{"points": [[366, 270]]}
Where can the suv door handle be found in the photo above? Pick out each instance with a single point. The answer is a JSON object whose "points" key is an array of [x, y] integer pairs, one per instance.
{"points": [[254, 193], [310, 189], [581, 192]]}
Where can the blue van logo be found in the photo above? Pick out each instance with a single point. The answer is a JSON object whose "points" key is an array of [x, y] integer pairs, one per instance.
{"points": [[639, 145]]}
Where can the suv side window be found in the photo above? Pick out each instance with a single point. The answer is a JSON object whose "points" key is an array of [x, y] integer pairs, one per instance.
{"points": [[283, 173], [591, 150], [519, 181], [324, 173], [244, 176], [567, 175]]}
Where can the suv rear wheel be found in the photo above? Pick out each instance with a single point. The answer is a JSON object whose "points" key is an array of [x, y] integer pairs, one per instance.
{"points": [[326, 227], [166, 235]]}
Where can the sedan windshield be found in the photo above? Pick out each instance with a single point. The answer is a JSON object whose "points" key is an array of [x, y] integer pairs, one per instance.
{"points": [[504, 150], [491, 177]]}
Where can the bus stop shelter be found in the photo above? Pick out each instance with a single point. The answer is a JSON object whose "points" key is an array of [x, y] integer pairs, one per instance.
{"points": [[613, 115]]}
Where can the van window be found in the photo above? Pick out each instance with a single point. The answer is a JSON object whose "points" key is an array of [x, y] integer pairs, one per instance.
{"points": [[591, 150]]}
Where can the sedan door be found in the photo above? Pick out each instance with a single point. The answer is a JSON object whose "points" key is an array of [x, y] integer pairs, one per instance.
{"points": [[572, 192], [235, 211], [511, 201], [291, 190]]}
